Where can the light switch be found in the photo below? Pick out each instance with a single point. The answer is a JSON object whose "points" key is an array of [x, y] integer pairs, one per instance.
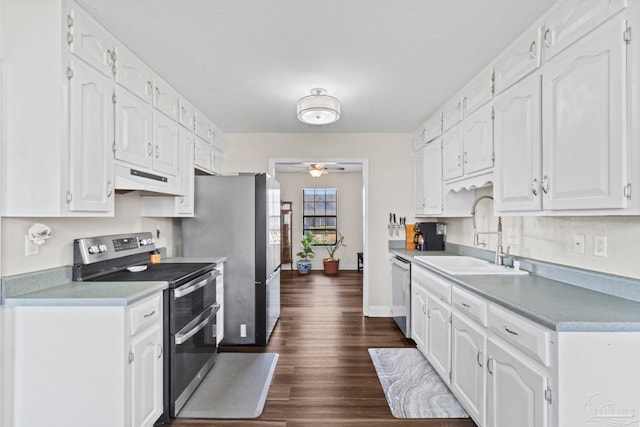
{"points": [[600, 246]]}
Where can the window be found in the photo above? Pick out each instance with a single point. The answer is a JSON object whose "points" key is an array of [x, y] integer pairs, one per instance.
{"points": [[320, 215]]}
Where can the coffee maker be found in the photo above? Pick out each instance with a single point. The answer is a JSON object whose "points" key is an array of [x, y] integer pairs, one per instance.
{"points": [[429, 236]]}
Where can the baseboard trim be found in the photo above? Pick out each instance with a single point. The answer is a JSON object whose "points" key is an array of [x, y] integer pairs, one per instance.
{"points": [[380, 311]]}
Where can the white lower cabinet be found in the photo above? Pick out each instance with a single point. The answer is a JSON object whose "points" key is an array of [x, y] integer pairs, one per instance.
{"points": [[439, 336], [419, 316], [99, 366], [515, 390], [468, 373]]}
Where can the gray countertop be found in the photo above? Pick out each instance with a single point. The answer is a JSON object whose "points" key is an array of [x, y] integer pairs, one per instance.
{"points": [[88, 294], [54, 288], [554, 304]]}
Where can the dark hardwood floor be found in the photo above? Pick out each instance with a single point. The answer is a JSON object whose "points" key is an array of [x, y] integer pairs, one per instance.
{"points": [[325, 376]]}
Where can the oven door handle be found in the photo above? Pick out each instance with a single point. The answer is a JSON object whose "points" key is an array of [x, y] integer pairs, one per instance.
{"points": [[189, 287], [181, 337]]}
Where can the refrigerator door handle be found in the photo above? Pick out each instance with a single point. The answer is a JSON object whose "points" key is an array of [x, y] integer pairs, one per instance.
{"points": [[271, 276]]}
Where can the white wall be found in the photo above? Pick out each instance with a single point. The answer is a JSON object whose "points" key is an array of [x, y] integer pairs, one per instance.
{"points": [[390, 177], [58, 251], [551, 238], [350, 212]]}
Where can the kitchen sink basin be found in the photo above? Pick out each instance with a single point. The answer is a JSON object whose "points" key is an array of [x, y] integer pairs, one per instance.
{"points": [[464, 265]]}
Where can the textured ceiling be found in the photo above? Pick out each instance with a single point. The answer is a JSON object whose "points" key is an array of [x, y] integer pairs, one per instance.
{"points": [[245, 63]]}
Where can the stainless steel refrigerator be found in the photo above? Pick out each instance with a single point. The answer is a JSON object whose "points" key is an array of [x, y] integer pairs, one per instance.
{"points": [[239, 217]]}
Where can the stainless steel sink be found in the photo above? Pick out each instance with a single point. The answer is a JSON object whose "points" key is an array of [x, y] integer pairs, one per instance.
{"points": [[464, 265]]}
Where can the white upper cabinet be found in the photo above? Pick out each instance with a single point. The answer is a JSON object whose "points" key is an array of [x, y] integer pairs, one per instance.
{"points": [[90, 42], [428, 179], [166, 145], [166, 99], [518, 60], [134, 130], [431, 129], [518, 147], [91, 113], [468, 147], [452, 112], [187, 115], [477, 92], [572, 19], [133, 74], [583, 115]]}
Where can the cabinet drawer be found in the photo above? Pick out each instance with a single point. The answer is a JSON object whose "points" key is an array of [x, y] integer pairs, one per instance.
{"points": [[470, 305], [433, 284], [145, 313], [518, 60], [523, 334], [430, 129]]}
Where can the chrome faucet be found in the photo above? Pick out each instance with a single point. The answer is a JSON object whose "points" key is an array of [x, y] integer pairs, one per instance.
{"points": [[500, 254]]}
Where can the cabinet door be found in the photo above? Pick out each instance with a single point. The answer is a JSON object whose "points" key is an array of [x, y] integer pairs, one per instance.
{"points": [[89, 41], [187, 115], [477, 92], [518, 148], [134, 130], [419, 316], [452, 141], [203, 158], [166, 99], [439, 336], [146, 376], [91, 112], [431, 129], [584, 98], [518, 60], [515, 390], [420, 180], [452, 112], [166, 140], [184, 204], [218, 161], [574, 18], [478, 141], [134, 75], [433, 193], [203, 127], [468, 376]]}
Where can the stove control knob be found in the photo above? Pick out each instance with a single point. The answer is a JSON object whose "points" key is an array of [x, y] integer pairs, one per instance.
{"points": [[102, 248], [143, 242], [94, 249]]}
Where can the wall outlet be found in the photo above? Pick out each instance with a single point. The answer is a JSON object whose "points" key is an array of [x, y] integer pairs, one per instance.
{"points": [[600, 246], [578, 243], [30, 247], [243, 330]]}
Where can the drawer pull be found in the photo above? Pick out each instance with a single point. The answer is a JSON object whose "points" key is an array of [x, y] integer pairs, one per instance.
{"points": [[149, 314], [489, 365], [479, 358], [465, 305], [510, 331]]}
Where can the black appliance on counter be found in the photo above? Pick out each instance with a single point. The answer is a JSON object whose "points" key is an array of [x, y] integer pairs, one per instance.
{"points": [[189, 305], [429, 236]]}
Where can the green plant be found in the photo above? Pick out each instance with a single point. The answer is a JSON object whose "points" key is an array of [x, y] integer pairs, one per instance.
{"points": [[307, 251], [332, 249]]}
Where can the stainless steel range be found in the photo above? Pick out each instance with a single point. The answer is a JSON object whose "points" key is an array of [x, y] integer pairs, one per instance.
{"points": [[190, 305]]}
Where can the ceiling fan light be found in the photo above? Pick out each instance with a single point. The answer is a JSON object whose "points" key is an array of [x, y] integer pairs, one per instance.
{"points": [[316, 173], [318, 108]]}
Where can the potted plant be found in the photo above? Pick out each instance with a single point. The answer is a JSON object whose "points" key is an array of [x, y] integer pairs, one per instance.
{"points": [[332, 264], [306, 254]]}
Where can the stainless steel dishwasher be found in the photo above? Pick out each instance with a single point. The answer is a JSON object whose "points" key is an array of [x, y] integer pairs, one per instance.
{"points": [[401, 288]]}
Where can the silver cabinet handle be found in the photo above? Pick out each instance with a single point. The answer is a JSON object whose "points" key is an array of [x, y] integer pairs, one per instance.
{"points": [[512, 332], [465, 305], [109, 188], [465, 103], [532, 51], [69, 37], [149, 88], [547, 37], [466, 158], [193, 286], [489, 365], [545, 184], [149, 149], [149, 314], [534, 187], [424, 308], [479, 358], [157, 151], [160, 350], [157, 93], [459, 160]]}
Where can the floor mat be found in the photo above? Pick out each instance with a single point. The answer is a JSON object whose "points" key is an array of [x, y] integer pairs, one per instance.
{"points": [[236, 387], [413, 389]]}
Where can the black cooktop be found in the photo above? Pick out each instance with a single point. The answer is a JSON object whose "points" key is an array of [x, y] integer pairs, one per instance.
{"points": [[174, 273]]}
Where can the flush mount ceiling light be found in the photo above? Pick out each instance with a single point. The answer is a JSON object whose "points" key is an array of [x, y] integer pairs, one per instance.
{"points": [[318, 108], [316, 170]]}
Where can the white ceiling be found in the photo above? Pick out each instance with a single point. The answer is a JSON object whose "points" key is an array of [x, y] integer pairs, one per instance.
{"points": [[245, 63]]}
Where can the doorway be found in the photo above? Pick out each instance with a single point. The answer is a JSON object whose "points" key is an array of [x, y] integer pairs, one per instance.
{"points": [[334, 167]]}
